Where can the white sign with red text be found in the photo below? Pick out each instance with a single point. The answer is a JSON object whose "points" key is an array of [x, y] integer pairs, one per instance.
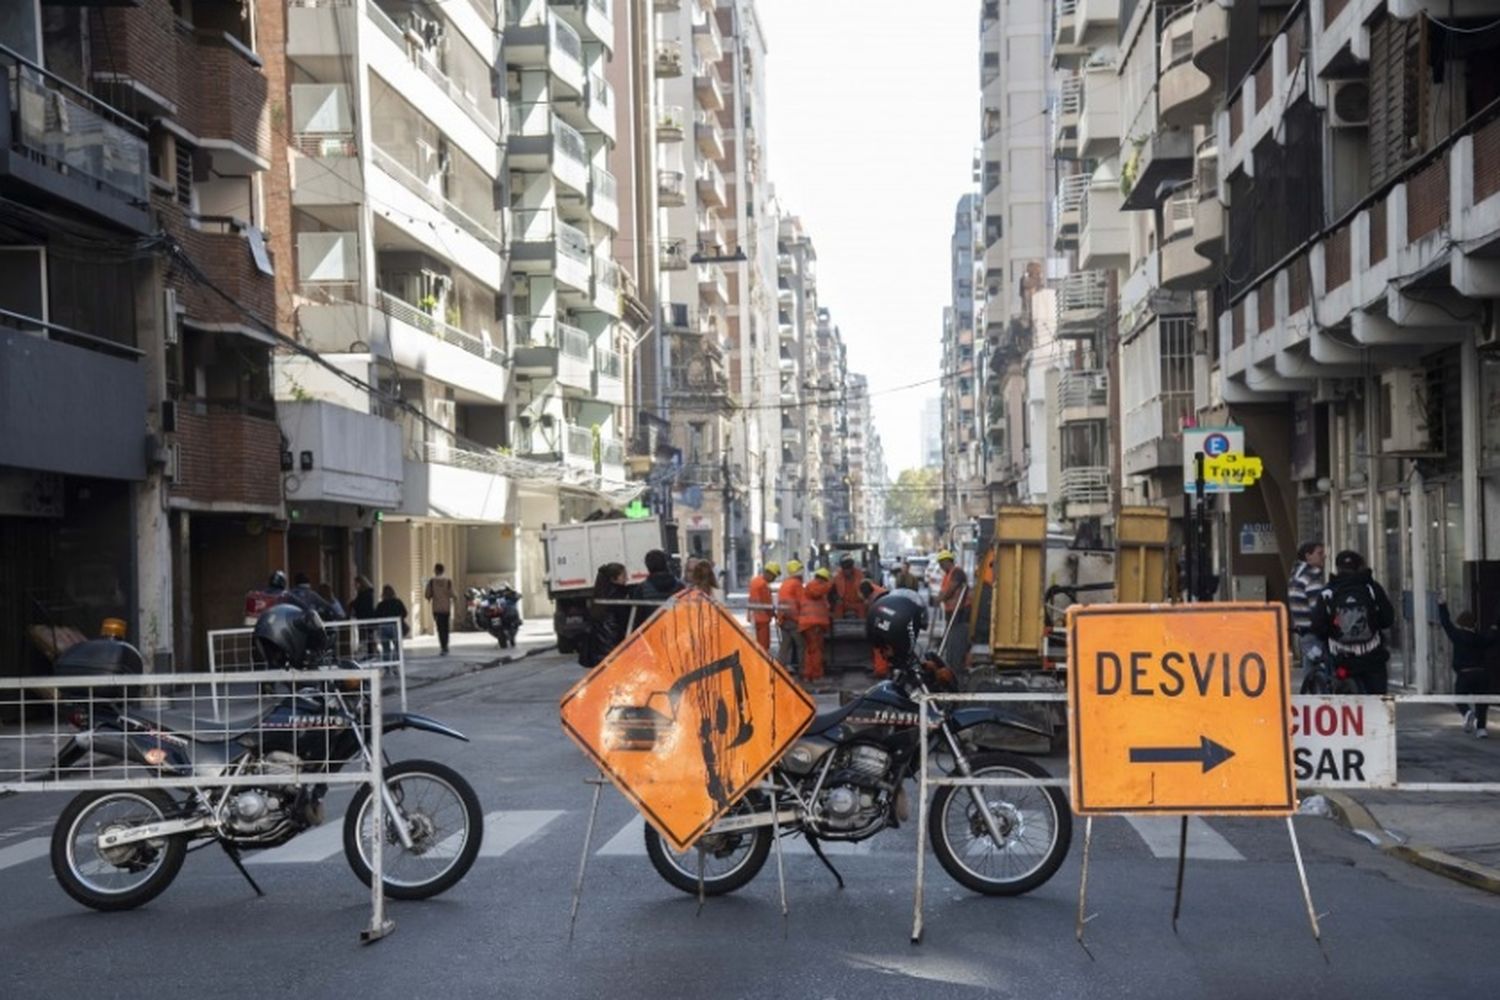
{"points": [[1344, 741]]}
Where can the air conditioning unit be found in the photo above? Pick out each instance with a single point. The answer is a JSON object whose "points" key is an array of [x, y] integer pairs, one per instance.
{"points": [[1404, 413], [1348, 104]]}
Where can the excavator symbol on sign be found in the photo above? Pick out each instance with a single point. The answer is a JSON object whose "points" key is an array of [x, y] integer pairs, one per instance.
{"points": [[642, 727]]}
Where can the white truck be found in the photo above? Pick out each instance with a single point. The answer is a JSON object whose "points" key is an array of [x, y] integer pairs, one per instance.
{"points": [[573, 554]]}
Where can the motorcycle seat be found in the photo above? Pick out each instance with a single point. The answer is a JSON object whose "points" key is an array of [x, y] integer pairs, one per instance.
{"points": [[200, 726], [824, 721]]}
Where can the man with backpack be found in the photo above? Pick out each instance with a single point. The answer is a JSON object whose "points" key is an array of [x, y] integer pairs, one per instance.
{"points": [[1348, 615]]}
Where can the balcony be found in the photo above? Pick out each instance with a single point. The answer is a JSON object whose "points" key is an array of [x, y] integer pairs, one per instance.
{"points": [[317, 35], [713, 285], [601, 106], [1099, 118], [1185, 94], [543, 242], [1157, 400], [1070, 193], [1103, 230], [411, 323], [786, 263], [604, 198], [668, 59], [681, 318], [1083, 395], [540, 140], [540, 39], [222, 247], [578, 447], [1208, 215], [456, 481], [709, 135], [711, 187], [707, 41], [1182, 269], [609, 376], [356, 456], [1211, 42], [229, 456], [606, 297], [1065, 128], [73, 403], [324, 153], [612, 460], [546, 347], [1085, 490], [234, 126], [593, 18], [1164, 156], [671, 188], [670, 122], [674, 254], [710, 231], [784, 295], [1066, 51], [707, 86], [1081, 298], [438, 223], [58, 142], [456, 69]]}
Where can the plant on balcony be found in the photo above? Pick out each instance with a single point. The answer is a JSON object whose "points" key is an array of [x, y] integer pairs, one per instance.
{"points": [[1132, 167], [453, 316], [428, 304]]}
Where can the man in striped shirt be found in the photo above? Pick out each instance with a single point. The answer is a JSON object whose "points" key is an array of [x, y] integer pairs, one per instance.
{"points": [[1301, 590]]}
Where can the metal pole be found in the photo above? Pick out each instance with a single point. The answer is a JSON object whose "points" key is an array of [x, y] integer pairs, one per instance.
{"points": [[1181, 868], [379, 925], [1312, 915], [583, 862], [916, 916], [1083, 883], [780, 867]]}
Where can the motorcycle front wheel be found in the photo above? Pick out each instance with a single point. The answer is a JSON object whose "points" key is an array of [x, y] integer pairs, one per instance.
{"points": [[730, 860], [1035, 823], [444, 820], [115, 878]]}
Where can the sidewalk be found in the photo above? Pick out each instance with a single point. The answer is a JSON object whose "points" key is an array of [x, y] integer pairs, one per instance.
{"points": [[1457, 835], [471, 651]]}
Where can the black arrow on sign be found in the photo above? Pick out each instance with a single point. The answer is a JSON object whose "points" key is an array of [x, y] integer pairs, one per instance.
{"points": [[1209, 753]]}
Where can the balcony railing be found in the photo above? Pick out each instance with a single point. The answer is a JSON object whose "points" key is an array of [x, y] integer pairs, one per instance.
{"points": [[1083, 387], [422, 189], [1178, 214], [1070, 192], [671, 186], [1070, 96], [605, 187], [669, 58], [671, 119], [400, 309], [72, 131], [607, 362], [481, 107], [551, 332], [1085, 484], [1082, 290], [65, 335], [578, 442]]}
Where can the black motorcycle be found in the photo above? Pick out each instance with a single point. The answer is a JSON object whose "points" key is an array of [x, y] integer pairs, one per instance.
{"points": [[117, 849], [496, 610], [844, 780]]}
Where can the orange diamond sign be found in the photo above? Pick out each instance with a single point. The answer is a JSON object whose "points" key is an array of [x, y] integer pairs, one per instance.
{"points": [[686, 716]]}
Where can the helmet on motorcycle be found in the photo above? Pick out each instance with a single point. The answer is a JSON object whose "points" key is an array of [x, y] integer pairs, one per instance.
{"points": [[289, 637], [894, 622], [277, 581]]}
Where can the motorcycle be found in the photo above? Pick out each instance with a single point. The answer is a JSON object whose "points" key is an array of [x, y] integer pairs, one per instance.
{"points": [[844, 781], [496, 610], [117, 849]]}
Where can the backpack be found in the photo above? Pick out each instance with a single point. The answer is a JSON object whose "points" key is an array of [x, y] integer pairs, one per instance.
{"points": [[1355, 614]]}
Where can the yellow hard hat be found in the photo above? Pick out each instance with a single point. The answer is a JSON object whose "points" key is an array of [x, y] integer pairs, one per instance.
{"points": [[774, 568], [945, 554], [823, 574], [794, 566]]}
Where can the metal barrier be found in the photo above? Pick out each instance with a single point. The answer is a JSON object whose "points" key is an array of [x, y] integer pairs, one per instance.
{"points": [[287, 729], [361, 641]]}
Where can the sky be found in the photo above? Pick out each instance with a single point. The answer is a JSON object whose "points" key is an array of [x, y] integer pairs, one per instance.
{"points": [[872, 110]]}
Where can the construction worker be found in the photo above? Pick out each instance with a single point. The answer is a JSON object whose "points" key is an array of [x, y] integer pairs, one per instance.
{"points": [[814, 619], [872, 592], [954, 597], [760, 603], [847, 601], [788, 611]]}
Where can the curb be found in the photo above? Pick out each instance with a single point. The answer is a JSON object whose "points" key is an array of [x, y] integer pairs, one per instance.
{"points": [[474, 668], [1353, 816]]}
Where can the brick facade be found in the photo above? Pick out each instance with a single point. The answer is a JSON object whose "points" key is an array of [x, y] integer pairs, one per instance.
{"points": [[1487, 160], [1336, 258], [225, 258], [227, 458], [1265, 298], [1427, 199]]}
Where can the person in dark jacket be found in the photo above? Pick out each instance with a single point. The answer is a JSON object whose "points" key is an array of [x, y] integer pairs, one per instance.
{"points": [[363, 607], [659, 584], [390, 606], [608, 624], [1473, 677], [306, 597], [1348, 615]]}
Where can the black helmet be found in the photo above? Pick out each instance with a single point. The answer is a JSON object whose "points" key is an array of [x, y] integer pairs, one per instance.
{"points": [[277, 581], [894, 622], [289, 637]]}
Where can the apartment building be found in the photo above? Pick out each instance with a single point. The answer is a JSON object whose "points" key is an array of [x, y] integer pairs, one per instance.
{"points": [[140, 464], [963, 452], [799, 508]]}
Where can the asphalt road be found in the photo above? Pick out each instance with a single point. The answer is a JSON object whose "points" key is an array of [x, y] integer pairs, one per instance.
{"points": [[1389, 930]]}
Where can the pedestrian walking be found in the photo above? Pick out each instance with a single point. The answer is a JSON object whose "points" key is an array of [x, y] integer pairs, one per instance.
{"points": [[788, 612], [1470, 646], [608, 624], [440, 594], [391, 606], [814, 619], [1348, 616], [1301, 588], [362, 608], [761, 604], [954, 597]]}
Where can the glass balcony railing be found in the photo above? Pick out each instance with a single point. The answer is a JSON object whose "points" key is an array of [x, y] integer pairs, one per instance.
{"points": [[429, 191], [414, 316]]}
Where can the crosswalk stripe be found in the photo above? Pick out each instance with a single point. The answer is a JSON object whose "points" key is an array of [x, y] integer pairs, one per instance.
{"points": [[630, 842], [26, 850], [1162, 835], [317, 844], [512, 828]]}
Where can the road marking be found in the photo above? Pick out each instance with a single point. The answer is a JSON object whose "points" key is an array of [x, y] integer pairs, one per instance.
{"points": [[317, 844], [509, 829], [631, 842], [26, 850], [1162, 833]]}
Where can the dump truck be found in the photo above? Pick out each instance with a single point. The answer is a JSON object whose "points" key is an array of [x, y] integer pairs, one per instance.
{"points": [[573, 554]]}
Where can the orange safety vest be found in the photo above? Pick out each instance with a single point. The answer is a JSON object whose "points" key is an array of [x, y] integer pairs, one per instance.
{"points": [[789, 600], [760, 593], [847, 589], [951, 604], [814, 610]]}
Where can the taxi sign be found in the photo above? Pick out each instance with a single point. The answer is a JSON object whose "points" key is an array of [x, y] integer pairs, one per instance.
{"points": [[686, 716], [1232, 470], [1179, 709], [1211, 443]]}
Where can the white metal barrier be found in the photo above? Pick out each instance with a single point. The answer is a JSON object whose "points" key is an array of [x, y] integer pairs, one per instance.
{"points": [[283, 729], [369, 642]]}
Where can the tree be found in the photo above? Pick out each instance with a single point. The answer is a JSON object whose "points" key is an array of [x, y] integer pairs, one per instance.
{"points": [[912, 502]]}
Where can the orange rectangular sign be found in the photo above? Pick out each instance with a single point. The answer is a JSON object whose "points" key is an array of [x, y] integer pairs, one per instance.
{"points": [[1180, 709]]}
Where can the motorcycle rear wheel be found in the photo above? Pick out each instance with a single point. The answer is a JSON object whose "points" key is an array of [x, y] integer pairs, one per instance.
{"points": [[1036, 822], [730, 861], [428, 792], [117, 878]]}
